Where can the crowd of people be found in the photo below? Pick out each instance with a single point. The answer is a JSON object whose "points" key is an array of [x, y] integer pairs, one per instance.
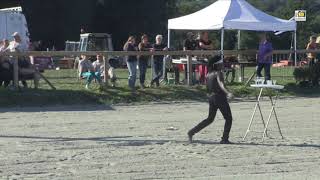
{"points": [[26, 69], [142, 61], [90, 70], [202, 42]]}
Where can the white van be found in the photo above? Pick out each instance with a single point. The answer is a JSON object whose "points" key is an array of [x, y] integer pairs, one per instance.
{"points": [[13, 20]]}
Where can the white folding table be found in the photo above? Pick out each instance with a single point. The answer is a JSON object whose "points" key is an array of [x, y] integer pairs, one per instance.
{"points": [[272, 110]]}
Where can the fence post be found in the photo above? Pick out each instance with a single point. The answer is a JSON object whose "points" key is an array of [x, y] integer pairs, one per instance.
{"points": [[15, 72], [189, 70], [106, 68], [152, 67]]}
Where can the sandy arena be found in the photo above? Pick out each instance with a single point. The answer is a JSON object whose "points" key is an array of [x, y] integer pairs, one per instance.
{"points": [[150, 142]]}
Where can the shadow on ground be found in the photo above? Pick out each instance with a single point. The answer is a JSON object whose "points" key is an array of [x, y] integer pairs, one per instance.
{"points": [[94, 96], [126, 141]]}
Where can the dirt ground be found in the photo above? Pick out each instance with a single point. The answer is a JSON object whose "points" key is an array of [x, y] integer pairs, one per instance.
{"points": [[149, 142]]}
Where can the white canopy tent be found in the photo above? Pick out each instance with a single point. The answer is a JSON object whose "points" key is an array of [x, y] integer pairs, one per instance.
{"points": [[231, 15]]}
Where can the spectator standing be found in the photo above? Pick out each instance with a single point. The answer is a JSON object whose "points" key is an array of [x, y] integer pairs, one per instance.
{"points": [[144, 45], [190, 44], [312, 45], [130, 45], [158, 60], [205, 43], [264, 57]]}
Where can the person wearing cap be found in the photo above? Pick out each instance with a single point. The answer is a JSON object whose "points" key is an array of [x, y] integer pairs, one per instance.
{"points": [[218, 99]]}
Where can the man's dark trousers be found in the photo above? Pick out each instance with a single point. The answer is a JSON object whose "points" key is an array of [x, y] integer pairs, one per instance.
{"points": [[216, 102], [267, 68]]}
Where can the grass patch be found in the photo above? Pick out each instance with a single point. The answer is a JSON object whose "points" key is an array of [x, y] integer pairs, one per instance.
{"points": [[71, 91]]}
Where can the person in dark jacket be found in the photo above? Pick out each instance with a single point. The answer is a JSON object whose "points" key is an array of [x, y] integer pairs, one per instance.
{"points": [[218, 95], [264, 57], [158, 60]]}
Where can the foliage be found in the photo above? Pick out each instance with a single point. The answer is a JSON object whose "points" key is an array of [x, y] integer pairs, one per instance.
{"points": [[280, 8], [128, 17], [301, 74]]}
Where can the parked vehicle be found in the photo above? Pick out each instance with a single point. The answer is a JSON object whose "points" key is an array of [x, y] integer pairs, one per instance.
{"points": [[89, 42], [13, 20]]}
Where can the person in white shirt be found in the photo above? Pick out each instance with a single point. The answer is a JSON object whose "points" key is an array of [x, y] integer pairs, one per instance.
{"points": [[87, 71], [17, 45], [98, 66], [26, 70]]}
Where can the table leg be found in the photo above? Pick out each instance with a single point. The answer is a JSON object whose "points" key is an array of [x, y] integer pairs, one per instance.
{"points": [[241, 73], [254, 112], [273, 110], [276, 116], [263, 122]]}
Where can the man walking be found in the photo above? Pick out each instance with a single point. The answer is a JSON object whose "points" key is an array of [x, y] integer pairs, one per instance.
{"points": [[218, 95]]}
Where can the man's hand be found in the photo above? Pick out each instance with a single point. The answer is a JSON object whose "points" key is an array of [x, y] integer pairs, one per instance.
{"points": [[230, 96]]}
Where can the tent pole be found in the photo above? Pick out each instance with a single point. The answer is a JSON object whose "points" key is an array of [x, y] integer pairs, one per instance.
{"points": [[295, 48], [222, 43], [168, 38], [239, 39], [239, 56]]}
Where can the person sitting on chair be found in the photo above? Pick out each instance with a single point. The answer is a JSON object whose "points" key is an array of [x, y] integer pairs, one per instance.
{"points": [[87, 71], [26, 69], [4, 64], [190, 44], [98, 66]]}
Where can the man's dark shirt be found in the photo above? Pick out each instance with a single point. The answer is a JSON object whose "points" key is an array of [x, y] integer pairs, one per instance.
{"points": [[131, 47], [213, 86], [144, 47], [159, 47], [190, 44]]}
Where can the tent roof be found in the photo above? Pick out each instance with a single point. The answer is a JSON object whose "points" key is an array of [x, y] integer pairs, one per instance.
{"points": [[231, 14]]}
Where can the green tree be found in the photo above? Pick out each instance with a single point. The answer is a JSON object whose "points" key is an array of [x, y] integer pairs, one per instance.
{"points": [[280, 8]]}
